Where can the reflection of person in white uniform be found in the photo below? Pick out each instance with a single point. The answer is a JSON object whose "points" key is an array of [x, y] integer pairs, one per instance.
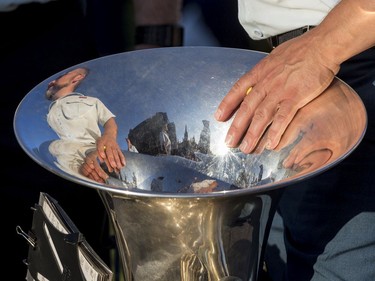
{"points": [[165, 142], [76, 118]]}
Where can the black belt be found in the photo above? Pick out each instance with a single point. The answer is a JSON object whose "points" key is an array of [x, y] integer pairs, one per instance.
{"points": [[276, 40]]}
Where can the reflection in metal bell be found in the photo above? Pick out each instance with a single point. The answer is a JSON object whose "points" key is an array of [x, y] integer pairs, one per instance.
{"points": [[164, 229]]}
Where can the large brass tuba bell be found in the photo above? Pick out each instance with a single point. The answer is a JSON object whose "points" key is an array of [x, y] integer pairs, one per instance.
{"points": [[200, 211]]}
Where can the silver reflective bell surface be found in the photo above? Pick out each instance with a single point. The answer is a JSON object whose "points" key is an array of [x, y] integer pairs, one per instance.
{"points": [[185, 207]]}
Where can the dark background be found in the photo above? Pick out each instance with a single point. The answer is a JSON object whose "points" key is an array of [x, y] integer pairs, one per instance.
{"points": [[37, 41]]}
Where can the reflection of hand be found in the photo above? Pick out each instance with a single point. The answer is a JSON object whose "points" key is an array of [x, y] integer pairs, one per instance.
{"points": [[288, 78], [324, 130], [110, 152], [91, 168]]}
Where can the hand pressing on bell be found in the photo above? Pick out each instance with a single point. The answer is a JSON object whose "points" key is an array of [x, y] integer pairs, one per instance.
{"points": [[108, 149], [92, 169]]}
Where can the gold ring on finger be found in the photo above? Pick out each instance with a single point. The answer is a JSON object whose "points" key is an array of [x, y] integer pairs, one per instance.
{"points": [[248, 91]]}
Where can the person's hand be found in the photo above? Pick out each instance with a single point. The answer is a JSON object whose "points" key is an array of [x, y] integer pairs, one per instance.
{"points": [[321, 131], [272, 92], [91, 168], [110, 152]]}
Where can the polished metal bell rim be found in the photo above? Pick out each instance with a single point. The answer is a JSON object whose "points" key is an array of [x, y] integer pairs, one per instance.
{"points": [[226, 193], [144, 71]]}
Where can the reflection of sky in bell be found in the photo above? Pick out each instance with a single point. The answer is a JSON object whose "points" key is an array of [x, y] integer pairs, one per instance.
{"points": [[135, 88], [185, 83], [187, 86], [31, 126]]}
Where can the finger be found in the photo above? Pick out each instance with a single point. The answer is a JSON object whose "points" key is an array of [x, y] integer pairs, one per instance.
{"points": [[284, 115], [312, 161], [90, 164], [101, 148], [85, 169], [234, 97], [122, 158], [118, 158], [96, 177], [302, 146], [261, 145], [88, 171], [107, 155], [100, 172], [114, 158], [239, 125], [260, 109], [292, 135], [109, 166]]}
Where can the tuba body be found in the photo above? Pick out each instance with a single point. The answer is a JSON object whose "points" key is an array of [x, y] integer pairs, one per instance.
{"points": [[190, 238]]}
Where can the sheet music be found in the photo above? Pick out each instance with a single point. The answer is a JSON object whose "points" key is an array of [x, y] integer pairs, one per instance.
{"points": [[52, 244], [85, 263], [52, 216], [88, 270]]}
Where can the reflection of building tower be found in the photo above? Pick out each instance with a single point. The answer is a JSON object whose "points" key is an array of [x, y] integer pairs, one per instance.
{"points": [[165, 141], [186, 135], [204, 140], [145, 136], [187, 147], [183, 147], [173, 137]]}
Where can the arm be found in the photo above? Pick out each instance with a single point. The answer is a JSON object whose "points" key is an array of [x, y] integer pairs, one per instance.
{"points": [[108, 149], [295, 73]]}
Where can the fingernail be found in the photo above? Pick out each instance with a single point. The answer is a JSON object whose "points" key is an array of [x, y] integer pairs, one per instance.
{"points": [[218, 114], [243, 146], [268, 144], [229, 140]]}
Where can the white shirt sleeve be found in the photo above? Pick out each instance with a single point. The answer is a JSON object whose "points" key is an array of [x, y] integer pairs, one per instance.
{"points": [[264, 18]]}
